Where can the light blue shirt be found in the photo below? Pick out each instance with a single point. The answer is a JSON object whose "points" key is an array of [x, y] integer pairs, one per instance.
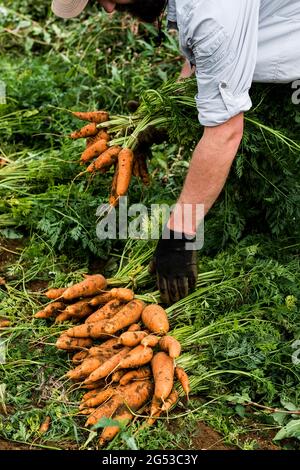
{"points": [[233, 43]]}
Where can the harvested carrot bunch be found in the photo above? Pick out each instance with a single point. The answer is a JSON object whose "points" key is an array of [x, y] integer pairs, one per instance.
{"points": [[101, 155], [123, 353]]}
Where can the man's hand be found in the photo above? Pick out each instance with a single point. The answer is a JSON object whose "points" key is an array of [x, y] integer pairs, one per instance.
{"points": [[175, 267]]}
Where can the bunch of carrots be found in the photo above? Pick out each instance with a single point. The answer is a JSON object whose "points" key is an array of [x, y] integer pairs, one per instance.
{"points": [[101, 156], [123, 353]]}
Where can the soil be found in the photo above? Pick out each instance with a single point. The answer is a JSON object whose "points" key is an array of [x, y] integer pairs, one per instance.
{"points": [[207, 438], [6, 445], [8, 251]]}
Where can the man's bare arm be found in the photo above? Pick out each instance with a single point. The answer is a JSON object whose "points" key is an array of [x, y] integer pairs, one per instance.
{"points": [[208, 171]]}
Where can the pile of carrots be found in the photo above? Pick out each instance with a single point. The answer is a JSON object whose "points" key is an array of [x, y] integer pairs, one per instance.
{"points": [[123, 354], [101, 156]]}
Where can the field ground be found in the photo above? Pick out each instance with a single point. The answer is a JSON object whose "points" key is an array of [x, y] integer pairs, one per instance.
{"points": [[238, 329]]}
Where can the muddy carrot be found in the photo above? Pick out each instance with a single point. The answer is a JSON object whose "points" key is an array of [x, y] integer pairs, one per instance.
{"points": [[163, 373], [105, 369], [106, 312], [92, 116], [44, 427], [125, 161], [183, 379], [86, 131], [69, 344], [155, 319], [50, 310], [105, 160], [129, 314], [137, 357], [171, 346], [90, 286], [94, 151], [132, 338], [54, 294], [138, 374]]}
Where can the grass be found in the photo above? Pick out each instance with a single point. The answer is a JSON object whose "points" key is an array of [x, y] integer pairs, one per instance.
{"points": [[237, 328]]}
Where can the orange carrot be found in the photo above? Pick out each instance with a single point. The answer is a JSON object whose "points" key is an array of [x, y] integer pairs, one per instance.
{"points": [[171, 346], [87, 411], [183, 379], [80, 309], [138, 374], [129, 314], [125, 161], [155, 406], [98, 399], [116, 376], [122, 415], [110, 365], [102, 135], [105, 410], [50, 310], [132, 338], [94, 151], [134, 396], [101, 299], [155, 319], [86, 131], [91, 394], [93, 385], [113, 198], [85, 369], [44, 427], [171, 400], [121, 293], [106, 312], [92, 116], [90, 286], [105, 160], [79, 357], [106, 346], [150, 340], [134, 327], [150, 421], [139, 356], [64, 342], [88, 330], [163, 373], [63, 316], [54, 294]]}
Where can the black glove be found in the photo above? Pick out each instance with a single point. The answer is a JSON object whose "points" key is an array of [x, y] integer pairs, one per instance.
{"points": [[175, 268]]}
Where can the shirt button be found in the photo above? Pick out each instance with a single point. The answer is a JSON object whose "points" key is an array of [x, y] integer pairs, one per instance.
{"points": [[223, 85]]}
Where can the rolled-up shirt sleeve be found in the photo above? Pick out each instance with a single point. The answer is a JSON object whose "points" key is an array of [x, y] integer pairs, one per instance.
{"points": [[223, 38]]}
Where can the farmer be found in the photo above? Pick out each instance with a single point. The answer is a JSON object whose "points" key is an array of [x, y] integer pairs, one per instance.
{"points": [[230, 44]]}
